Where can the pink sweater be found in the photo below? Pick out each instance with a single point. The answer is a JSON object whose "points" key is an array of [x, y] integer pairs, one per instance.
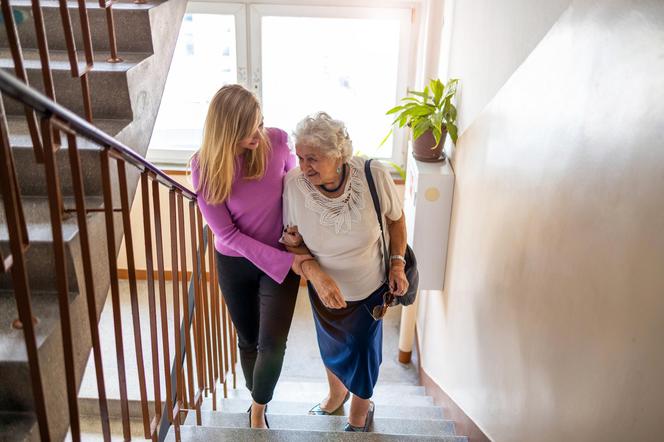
{"points": [[249, 223]]}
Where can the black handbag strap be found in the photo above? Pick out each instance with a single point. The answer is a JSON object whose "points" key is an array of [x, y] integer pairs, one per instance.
{"points": [[376, 202]]}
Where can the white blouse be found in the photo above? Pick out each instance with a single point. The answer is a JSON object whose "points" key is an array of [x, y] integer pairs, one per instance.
{"points": [[343, 232]]}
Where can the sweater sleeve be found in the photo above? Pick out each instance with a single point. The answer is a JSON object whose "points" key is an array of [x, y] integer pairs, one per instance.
{"points": [[274, 262]]}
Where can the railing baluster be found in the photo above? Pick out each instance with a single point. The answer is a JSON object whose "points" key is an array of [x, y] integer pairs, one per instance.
{"points": [[152, 309], [107, 5], [233, 353], [18, 243], [133, 293], [115, 291], [162, 293], [214, 311], [205, 312], [19, 68], [174, 410], [185, 304], [59, 254], [42, 44], [225, 336], [198, 344], [81, 213]]}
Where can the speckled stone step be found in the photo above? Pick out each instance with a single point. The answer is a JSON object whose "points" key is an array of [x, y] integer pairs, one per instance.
{"points": [[189, 433], [409, 425], [381, 397], [394, 410], [132, 25], [18, 427]]}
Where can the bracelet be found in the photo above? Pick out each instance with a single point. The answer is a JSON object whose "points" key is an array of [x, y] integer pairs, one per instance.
{"points": [[398, 257]]}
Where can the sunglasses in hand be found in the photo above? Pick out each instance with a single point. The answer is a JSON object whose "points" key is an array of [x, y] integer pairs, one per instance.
{"points": [[379, 311]]}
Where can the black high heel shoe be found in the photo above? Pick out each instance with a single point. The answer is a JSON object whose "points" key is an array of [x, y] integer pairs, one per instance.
{"points": [[267, 424]]}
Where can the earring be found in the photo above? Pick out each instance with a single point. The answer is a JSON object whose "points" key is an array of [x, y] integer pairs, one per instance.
{"points": [[338, 170]]}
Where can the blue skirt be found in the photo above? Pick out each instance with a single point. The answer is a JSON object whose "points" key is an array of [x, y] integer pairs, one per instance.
{"points": [[351, 340]]}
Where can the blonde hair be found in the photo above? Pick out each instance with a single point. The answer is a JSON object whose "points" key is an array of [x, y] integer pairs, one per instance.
{"points": [[234, 114], [326, 134]]}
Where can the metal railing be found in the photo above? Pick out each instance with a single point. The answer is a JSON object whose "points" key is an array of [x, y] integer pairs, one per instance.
{"points": [[205, 340]]}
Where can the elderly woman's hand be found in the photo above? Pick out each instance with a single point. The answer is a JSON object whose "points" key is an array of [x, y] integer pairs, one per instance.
{"points": [[327, 289], [398, 280]]}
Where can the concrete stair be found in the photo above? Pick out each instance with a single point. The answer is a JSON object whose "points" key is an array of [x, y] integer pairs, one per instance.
{"points": [[394, 419], [125, 100], [403, 413], [245, 434]]}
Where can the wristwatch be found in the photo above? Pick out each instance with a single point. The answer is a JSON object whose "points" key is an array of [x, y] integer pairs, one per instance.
{"points": [[398, 257]]}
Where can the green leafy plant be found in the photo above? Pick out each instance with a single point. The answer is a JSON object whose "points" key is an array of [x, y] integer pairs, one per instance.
{"points": [[429, 109]]}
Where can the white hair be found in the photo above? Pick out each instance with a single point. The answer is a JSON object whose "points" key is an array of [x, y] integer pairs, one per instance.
{"points": [[325, 134]]}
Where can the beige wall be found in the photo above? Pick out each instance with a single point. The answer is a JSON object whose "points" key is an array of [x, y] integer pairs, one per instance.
{"points": [[484, 41], [550, 324], [138, 231]]}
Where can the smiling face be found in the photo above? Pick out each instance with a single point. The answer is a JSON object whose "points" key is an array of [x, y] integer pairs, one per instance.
{"points": [[251, 142], [318, 168]]}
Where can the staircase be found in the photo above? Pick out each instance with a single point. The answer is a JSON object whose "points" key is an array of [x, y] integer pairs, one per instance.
{"points": [[125, 97], [403, 413]]}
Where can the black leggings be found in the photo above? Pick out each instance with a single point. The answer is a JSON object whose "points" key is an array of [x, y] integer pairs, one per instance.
{"points": [[262, 311]]}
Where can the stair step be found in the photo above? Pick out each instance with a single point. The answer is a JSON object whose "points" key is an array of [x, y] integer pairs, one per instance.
{"points": [[90, 406], [59, 60], [109, 90], [15, 427], [391, 410], [412, 426], [322, 388], [32, 176], [39, 256], [15, 395], [381, 397], [193, 433], [132, 25]]}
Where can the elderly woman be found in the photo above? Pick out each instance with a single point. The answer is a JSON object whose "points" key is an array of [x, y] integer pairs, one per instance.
{"points": [[327, 204]]}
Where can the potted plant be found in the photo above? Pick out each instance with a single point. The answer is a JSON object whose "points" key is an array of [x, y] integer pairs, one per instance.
{"points": [[430, 115]]}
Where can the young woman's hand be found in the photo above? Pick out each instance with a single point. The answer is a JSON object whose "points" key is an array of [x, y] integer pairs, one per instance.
{"points": [[297, 262]]}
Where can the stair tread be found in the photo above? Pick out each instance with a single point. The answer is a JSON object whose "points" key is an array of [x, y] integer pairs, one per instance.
{"points": [[59, 60], [381, 396], [412, 425], [322, 387], [193, 433], [37, 217], [19, 133], [301, 408], [12, 343], [18, 427]]}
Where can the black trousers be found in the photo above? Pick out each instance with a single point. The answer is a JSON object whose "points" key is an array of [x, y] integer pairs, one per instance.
{"points": [[262, 311]]}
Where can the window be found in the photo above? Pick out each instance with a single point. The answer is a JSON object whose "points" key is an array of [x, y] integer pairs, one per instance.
{"points": [[350, 62]]}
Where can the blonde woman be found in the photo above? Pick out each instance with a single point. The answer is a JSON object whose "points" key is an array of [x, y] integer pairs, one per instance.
{"points": [[238, 177]]}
